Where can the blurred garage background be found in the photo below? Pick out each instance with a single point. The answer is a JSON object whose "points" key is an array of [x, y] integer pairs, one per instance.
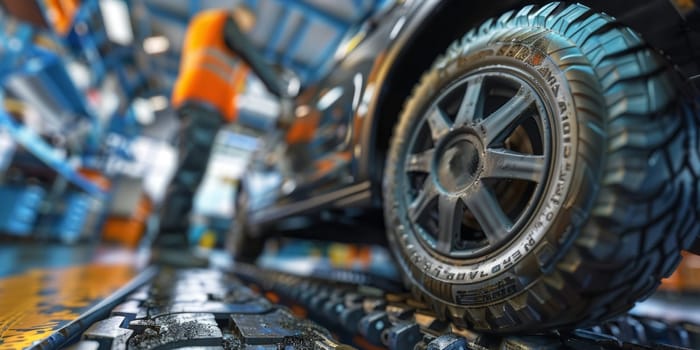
{"points": [[87, 133]]}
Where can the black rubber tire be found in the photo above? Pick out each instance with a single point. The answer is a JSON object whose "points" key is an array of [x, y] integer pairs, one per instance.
{"points": [[241, 242], [630, 198]]}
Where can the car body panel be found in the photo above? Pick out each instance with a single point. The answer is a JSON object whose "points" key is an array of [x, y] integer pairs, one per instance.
{"points": [[331, 155]]}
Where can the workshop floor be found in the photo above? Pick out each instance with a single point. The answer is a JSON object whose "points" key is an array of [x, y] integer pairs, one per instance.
{"points": [[105, 297], [43, 288]]}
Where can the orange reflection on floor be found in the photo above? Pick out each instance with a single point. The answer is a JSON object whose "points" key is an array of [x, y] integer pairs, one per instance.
{"points": [[37, 303], [686, 278]]}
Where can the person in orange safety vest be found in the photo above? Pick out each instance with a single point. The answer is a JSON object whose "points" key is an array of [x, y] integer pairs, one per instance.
{"points": [[204, 97]]}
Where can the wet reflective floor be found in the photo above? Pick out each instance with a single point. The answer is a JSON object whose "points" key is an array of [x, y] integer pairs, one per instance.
{"points": [[43, 288]]}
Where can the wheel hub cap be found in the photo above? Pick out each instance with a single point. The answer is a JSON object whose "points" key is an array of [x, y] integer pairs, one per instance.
{"points": [[459, 164]]}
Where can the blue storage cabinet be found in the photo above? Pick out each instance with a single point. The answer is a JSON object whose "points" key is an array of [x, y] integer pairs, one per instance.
{"points": [[69, 226], [74, 217], [21, 207]]}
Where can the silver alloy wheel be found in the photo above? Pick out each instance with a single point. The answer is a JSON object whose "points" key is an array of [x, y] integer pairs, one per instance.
{"points": [[477, 163]]}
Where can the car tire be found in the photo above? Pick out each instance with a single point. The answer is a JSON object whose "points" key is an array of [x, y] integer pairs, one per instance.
{"points": [[543, 175], [242, 242]]}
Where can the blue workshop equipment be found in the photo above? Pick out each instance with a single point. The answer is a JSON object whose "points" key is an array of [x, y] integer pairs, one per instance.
{"points": [[21, 205], [73, 218]]}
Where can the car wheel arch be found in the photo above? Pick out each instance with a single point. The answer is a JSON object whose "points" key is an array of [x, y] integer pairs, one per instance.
{"points": [[405, 64]]}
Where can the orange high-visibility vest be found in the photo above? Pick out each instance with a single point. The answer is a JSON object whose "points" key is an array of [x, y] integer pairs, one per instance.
{"points": [[210, 74], [61, 14]]}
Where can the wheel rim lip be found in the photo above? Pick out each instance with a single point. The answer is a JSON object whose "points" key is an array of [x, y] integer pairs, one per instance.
{"points": [[544, 118]]}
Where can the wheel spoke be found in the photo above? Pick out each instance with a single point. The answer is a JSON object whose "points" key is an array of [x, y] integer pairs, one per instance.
{"points": [[423, 201], [439, 126], [488, 213], [507, 116], [476, 139], [420, 162], [449, 222], [505, 164], [467, 110]]}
